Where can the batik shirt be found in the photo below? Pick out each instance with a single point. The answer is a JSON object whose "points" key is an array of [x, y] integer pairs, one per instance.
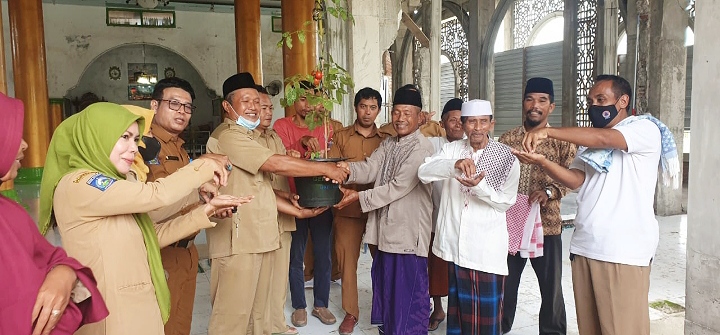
{"points": [[533, 177]]}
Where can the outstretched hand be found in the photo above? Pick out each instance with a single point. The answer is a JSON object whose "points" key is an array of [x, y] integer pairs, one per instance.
{"points": [[349, 196], [528, 157], [533, 138], [471, 182], [221, 166], [466, 166], [223, 206]]}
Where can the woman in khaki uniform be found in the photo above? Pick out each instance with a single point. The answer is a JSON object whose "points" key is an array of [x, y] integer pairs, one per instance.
{"points": [[100, 214]]}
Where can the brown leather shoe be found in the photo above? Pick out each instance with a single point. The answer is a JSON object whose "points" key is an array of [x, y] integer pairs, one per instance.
{"points": [[348, 325], [324, 315], [299, 318]]}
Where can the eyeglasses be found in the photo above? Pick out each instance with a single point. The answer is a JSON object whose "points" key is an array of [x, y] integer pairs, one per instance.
{"points": [[175, 105]]}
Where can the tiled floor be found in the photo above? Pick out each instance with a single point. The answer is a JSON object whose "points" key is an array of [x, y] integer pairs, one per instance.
{"points": [[667, 283]]}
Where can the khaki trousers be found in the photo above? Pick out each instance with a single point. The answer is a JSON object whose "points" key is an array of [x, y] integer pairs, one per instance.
{"points": [[348, 240], [279, 285], [181, 267], [610, 298], [239, 292]]}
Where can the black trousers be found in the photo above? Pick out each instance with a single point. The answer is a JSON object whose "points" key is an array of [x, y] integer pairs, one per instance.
{"points": [[548, 270]]}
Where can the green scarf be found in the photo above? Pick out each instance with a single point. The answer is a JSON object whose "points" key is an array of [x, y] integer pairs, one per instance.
{"points": [[85, 141]]}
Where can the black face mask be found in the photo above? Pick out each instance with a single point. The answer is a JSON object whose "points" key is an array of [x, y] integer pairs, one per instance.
{"points": [[601, 116], [151, 149]]}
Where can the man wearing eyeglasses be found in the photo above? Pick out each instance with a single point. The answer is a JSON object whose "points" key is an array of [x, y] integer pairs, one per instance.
{"points": [[172, 102]]}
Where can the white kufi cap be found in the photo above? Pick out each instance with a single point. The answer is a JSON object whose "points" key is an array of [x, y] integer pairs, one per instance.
{"points": [[476, 107]]}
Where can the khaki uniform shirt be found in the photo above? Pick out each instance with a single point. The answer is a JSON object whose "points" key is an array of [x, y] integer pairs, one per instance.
{"points": [[254, 228], [406, 227], [172, 156], [94, 217], [271, 140], [533, 178], [431, 128], [349, 143]]}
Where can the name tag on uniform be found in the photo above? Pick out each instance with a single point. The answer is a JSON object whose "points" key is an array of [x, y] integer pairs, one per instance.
{"points": [[172, 158], [101, 182]]}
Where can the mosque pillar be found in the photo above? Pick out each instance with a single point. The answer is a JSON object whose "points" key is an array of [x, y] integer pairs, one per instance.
{"points": [[28, 45], [703, 227], [607, 37], [666, 86], [247, 37], [481, 12], [570, 60], [302, 57]]}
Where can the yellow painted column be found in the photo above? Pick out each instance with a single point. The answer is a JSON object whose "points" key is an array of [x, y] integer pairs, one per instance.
{"points": [[28, 45], [247, 38], [301, 59], [56, 114]]}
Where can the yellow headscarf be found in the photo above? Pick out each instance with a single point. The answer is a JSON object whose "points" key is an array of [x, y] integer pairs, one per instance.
{"points": [[141, 170]]}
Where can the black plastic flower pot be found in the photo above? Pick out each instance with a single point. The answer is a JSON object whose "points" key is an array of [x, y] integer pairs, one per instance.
{"points": [[315, 191]]}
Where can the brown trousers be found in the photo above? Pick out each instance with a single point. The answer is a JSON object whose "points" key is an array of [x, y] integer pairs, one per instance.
{"points": [[181, 267], [438, 273], [239, 291], [348, 234], [279, 285], [611, 298]]}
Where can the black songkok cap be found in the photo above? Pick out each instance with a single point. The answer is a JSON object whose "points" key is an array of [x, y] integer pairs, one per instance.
{"points": [[238, 81], [454, 104], [407, 97], [539, 85]]}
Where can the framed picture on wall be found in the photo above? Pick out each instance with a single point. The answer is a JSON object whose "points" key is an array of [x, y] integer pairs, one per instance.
{"points": [[276, 24], [140, 92], [142, 78]]}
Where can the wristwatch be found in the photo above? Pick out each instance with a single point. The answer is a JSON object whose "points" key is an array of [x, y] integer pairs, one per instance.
{"points": [[548, 192]]}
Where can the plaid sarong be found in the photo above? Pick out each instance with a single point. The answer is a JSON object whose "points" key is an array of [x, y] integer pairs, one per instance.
{"points": [[474, 302]]}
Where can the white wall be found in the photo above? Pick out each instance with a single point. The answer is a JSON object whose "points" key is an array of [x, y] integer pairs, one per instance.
{"points": [[77, 35]]}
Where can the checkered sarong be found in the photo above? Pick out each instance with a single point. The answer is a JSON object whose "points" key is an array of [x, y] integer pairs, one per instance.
{"points": [[474, 302]]}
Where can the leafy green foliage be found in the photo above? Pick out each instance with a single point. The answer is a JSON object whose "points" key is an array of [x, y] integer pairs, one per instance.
{"points": [[335, 83]]}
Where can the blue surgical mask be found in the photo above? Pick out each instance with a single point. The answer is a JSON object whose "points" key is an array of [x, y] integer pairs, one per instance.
{"points": [[243, 122]]}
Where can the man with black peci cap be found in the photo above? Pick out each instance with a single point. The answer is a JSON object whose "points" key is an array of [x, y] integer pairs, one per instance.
{"points": [[241, 246], [399, 211], [538, 104]]}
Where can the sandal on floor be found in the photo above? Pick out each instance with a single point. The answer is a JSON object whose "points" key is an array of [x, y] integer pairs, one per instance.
{"points": [[290, 331], [435, 323]]}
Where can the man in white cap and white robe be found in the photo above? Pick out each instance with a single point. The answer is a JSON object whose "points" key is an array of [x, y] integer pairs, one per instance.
{"points": [[480, 181]]}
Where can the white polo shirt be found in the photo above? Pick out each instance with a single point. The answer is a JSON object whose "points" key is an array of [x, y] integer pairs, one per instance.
{"points": [[615, 220]]}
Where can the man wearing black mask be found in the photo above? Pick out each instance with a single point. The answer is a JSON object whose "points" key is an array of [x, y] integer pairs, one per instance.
{"points": [[616, 233], [172, 102]]}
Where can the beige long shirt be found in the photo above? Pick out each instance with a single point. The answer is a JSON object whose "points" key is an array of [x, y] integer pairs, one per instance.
{"points": [[254, 228], [271, 140], [99, 230], [406, 228]]}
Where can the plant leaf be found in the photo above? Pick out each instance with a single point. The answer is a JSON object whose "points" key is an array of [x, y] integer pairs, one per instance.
{"points": [[301, 36]]}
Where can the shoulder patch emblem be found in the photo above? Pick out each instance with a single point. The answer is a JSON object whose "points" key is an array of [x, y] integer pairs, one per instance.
{"points": [[154, 161], [101, 182]]}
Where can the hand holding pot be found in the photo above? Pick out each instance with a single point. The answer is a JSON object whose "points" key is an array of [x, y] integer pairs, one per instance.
{"points": [[349, 196]]}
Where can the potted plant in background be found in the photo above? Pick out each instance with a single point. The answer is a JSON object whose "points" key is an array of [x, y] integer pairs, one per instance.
{"points": [[331, 83]]}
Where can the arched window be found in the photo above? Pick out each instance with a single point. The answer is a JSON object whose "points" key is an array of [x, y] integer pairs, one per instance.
{"points": [[550, 30], [622, 44]]}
